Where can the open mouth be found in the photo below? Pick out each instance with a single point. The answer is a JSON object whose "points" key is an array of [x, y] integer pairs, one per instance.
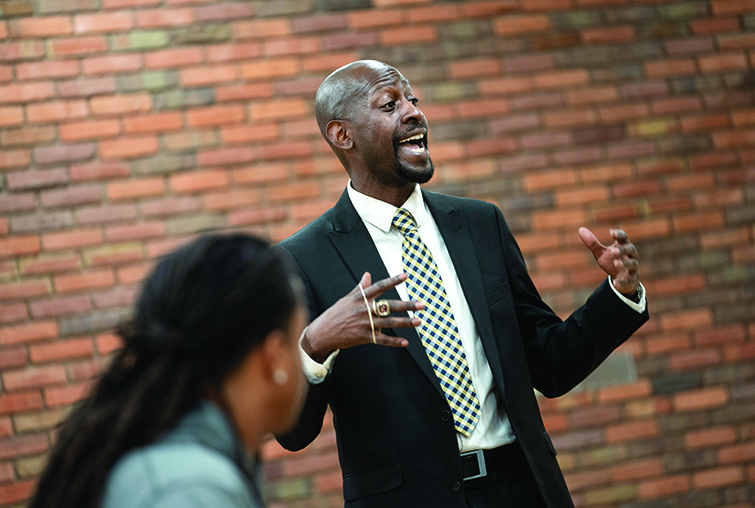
{"points": [[416, 144]]}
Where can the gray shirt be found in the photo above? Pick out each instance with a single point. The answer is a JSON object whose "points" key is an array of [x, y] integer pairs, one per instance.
{"points": [[199, 464]]}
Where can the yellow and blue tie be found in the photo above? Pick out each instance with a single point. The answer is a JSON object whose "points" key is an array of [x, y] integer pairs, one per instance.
{"points": [[438, 330]]}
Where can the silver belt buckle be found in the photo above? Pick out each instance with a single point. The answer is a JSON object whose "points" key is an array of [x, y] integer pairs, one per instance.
{"points": [[480, 463]]}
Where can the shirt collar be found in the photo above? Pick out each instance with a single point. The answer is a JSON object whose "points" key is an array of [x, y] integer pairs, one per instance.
{"points": [[380, 214]]}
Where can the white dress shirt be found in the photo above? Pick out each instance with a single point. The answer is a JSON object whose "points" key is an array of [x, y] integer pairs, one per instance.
{"points": [[493, 428]]}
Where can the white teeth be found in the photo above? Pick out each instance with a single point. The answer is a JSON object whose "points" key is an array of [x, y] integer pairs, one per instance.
{"points": [[418, 137]]}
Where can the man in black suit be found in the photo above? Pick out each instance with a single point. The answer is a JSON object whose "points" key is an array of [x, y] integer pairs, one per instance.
{"points": [[430, 371]]}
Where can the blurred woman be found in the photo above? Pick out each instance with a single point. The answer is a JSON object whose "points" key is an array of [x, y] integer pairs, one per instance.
{"points": [[210, 366]]}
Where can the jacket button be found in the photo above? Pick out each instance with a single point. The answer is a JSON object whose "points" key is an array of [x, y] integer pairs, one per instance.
{"points": [[445, 415], [456, 487]]}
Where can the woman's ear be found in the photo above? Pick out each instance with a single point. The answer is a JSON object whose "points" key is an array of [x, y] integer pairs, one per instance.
{"points": [[339, 134]]}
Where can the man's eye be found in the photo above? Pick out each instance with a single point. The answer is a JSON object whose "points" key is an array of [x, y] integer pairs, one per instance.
{"points": [[389, 105], [414, 100]]}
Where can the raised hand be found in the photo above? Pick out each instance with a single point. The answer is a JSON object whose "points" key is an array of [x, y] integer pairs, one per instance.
{"points": [[619, 260], [347, 322]]}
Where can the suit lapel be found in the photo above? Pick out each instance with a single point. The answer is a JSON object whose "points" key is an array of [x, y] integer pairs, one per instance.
{"points": [[355, 245], [455, 232]]}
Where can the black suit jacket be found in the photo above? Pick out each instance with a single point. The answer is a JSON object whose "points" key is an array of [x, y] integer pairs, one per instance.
{"points": [[396, 441]]}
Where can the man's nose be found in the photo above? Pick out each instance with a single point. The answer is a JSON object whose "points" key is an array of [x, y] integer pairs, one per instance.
{"points": [[412, 113]]}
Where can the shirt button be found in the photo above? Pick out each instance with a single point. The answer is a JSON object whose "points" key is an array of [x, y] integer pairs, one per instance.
{"points": [[456, 487], [445, 415]]}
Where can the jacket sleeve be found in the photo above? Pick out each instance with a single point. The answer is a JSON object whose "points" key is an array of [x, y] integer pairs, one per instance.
{"points": [[309, 423], [562, 353]]}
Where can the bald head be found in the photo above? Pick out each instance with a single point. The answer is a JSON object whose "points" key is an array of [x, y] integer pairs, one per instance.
{"points": [[344, 89]]}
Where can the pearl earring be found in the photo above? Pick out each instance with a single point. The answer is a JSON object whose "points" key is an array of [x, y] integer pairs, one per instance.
{"points": [[280, 377]]}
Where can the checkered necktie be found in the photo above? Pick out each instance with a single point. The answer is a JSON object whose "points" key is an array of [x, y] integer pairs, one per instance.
{"points": [[438, 330]]}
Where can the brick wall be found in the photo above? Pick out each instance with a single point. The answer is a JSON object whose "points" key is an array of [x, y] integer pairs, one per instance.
{"points": [[128, 125]]}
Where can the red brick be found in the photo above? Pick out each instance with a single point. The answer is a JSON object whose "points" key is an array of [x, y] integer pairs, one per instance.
{"points": [[153, 18], [16, 492], [742, 452], [293, 46], [417, 34], [34, 377], [701, 399], [99, 171], [174, 57], [19, 245], [714, 25], [746, 117], [49, 264], [216, 115], [515, 25], [261, 216], [242, 92], [724, 238], [14, 158], [732, 333], [696, 359], [197, 181], [20, 402], [736, 41], [570, 118], [260, 174], [60, 306], [638, 189], [739, 352], [67, 395], [731, 6], [86, 87], [387, 3], [610, 35], [720, 477], [121, 4], [232, 199], [676, 105], [11, 116], [732, 139], [476, 109], [637, 470], [367, 18], [89, 130], [247, 133], [705, 122], [159, 122], [474, 68], [136, 273], [562, 79], [20, 446], [24, 289], [505, 86], [262, 28], [78, 46], [28, 332], [434, 14], [127, 148], [698, 221], [107, 343], [55, 111], [41, 27], [121, 104], [285, 150], [63, 153], [37, 179], [267, 69], [63, 350], [103, 22], [641, 388], [328, 62], [135, 231], [723, 62], [231, 52], [71, 239], [279, 109], [624, 112], [12, 312], [208, 75], [670, 68], [561, 218], [170, 206], [665, 487], [39, 70], [687, 319], [131, 189], [28, 92], [710, 437]]}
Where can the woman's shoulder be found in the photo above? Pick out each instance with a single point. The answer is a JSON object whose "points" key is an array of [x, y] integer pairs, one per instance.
{"points": [[176, 474]]}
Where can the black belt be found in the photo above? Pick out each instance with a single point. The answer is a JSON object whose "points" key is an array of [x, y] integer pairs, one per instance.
{"points": [[477, 463]]}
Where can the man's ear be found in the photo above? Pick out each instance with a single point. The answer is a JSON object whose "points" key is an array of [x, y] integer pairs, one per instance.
{"points": [[339, 134]]}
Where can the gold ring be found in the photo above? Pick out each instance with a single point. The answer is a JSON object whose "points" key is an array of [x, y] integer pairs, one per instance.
{"points": [[381, 307]]}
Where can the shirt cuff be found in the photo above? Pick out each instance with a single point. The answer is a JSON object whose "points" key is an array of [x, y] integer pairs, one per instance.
{"points": [[315, 372], [637, 306]]}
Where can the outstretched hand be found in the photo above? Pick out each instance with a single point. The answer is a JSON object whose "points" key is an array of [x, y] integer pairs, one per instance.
{"points": [[619, 260], [347, 322]]}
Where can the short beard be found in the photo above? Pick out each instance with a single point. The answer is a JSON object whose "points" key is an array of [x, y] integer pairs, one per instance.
{"points": [[413, 175]]}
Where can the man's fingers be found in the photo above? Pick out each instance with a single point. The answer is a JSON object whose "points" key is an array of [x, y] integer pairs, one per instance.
{"points": [[619, 235], [591, 241], [387, 340], [396, 322], [384, 285]]}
